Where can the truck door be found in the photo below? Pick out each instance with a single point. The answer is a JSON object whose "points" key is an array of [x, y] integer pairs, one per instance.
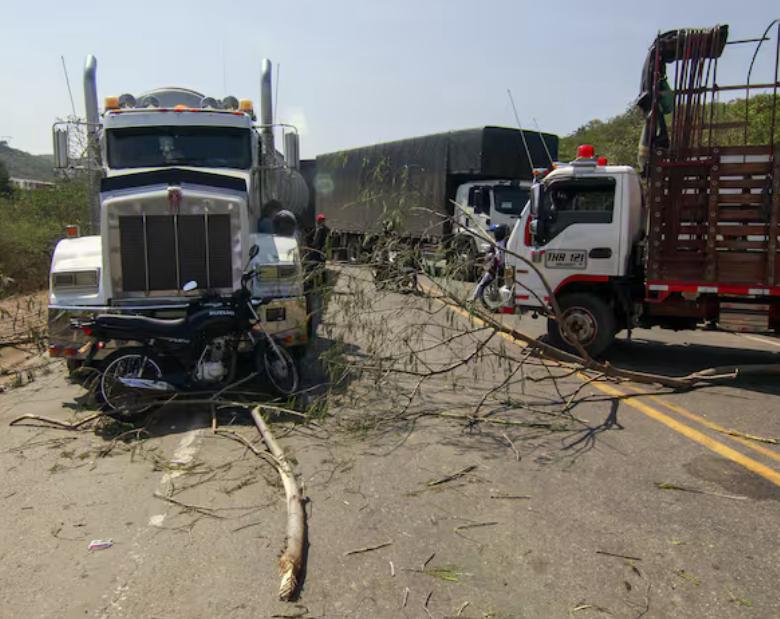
{"points": [[576, 233]]}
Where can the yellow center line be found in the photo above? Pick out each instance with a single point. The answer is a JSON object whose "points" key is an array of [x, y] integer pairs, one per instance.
{"points": [[765, 451], [693, 434], [687, 431]]}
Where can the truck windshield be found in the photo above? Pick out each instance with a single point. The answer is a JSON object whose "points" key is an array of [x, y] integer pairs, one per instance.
{"points": [[205, 147], [510, 200]]}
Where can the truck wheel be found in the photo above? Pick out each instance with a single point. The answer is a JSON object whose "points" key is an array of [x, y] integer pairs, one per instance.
{"points": [[589, 318], [353, 250]]}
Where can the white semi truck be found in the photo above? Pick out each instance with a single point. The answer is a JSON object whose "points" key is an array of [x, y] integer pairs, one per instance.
{"points": [[182, 185]]}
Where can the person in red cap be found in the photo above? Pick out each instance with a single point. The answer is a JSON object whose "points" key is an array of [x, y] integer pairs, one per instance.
{"points": [[319, 239]]}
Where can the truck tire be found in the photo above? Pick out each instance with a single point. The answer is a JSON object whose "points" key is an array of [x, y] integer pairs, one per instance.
{"points": [[354, 250], [590, 318]]}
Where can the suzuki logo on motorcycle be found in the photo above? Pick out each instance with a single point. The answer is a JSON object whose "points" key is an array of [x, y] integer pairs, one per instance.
{"points": [[174, 199]]}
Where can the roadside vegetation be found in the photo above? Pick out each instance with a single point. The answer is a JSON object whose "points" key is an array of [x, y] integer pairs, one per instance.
{"points": [[33, 222], [617, 137]]}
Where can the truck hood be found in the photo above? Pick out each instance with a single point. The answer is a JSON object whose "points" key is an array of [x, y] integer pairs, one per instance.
{"points": [[235, 180]]}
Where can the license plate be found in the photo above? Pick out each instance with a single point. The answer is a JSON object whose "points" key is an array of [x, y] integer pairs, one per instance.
{"points": [[565, 259]]}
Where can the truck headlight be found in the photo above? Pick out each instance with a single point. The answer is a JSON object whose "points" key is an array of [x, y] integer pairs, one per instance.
{"points": [[65, 280]]}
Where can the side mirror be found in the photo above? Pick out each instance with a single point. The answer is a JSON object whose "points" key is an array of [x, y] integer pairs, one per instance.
{"points": [[481, 200], [253, 251], [189, 286], [60, 136]]}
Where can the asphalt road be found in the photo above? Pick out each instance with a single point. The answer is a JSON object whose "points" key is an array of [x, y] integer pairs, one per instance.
{"points": [[545, 516]]}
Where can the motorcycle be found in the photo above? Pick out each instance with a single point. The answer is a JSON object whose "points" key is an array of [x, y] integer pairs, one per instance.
{"points": [[196, 353], [488, 289]]}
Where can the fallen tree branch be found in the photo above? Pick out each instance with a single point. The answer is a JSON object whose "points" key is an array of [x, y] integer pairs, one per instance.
{"points": [[291, 561]]}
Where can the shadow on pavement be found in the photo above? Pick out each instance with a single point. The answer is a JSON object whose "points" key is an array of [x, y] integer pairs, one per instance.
{"points": [[682, 359]]}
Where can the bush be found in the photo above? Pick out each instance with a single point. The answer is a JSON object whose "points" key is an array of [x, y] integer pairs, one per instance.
{"points": [[32, 223]]}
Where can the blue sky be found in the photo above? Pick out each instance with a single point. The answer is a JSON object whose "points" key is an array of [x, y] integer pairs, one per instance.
{"points": [[352, 72]]}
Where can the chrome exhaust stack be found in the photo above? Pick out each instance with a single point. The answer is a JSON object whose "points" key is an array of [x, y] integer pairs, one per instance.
{"points": [[93, 144], [266, 110]]}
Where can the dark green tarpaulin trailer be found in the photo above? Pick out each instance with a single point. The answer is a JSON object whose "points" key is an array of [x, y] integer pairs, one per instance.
{"points": [[412, 181]]}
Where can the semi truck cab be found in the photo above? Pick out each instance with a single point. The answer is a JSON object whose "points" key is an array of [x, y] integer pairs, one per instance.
{"points": [[180, 184]]}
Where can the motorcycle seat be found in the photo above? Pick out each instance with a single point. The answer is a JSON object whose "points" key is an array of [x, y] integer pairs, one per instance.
{"points": [[134, 326]]}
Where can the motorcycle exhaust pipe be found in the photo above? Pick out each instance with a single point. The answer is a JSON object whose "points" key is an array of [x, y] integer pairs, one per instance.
{"points": [[146, 384]]}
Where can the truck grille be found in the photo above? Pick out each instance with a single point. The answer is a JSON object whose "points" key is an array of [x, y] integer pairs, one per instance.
{"points": [[163, 252]]}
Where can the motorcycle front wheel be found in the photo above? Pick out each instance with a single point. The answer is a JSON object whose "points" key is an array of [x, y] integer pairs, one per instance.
{"points": [[278, 365], [123, 402], [491, 296]]}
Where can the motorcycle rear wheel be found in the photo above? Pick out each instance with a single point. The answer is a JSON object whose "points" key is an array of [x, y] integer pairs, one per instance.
{"points": [[122, 402]]}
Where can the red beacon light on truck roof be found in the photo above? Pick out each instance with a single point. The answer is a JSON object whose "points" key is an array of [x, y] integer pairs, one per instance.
{"points": [[601, 161], [586, 151]]}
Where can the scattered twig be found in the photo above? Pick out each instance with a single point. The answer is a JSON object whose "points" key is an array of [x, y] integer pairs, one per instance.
{"points": [[203, 511], [406, 597], [663, 485], [512, 445], [462, 608], [510, 496], [246, 443], [474, 525], [452, 476], [392, 569], [750, 437], [425, 605], [358, 551], [428, 560], [64, 425], [619, 556]]}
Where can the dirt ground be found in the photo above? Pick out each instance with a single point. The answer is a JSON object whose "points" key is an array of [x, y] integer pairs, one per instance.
{"points": [[622, 507]]}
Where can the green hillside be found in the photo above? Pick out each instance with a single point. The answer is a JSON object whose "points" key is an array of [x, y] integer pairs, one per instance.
{"points": [[617, 138], [24, 165]]}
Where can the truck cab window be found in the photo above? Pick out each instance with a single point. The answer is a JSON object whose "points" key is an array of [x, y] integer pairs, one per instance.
{"points": [[206, 147], [583, 201], [510, 200]]}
